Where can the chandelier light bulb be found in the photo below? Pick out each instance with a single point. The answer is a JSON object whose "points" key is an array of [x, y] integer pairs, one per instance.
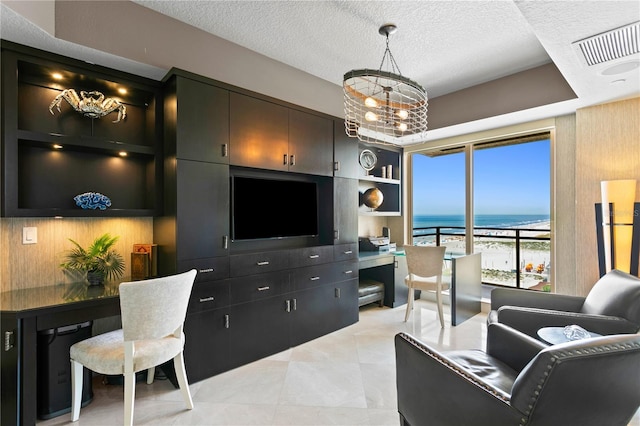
{"points": [[401, 126], [371, 116], [402, 114], [371, 102]]}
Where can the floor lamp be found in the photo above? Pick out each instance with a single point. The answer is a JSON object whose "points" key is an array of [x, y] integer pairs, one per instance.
{"points": [[618, 227]]}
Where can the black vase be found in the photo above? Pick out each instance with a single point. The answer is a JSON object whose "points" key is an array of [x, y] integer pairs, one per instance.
{"points": [[95, 277]]}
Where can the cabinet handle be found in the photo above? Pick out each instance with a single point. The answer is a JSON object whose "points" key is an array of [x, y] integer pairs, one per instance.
{"points": [[264, 288], [295, 304], [337, 291], [314, 256], [205, 271], [314, 278], [225, 150], [288, 305], [263, 263], [225, 242], [336, 234], [395, 264], [348, 252], [348, 272], [207, 299], [226, 321], [8, 340], [284, 160], [336, 166], [293, 160]]}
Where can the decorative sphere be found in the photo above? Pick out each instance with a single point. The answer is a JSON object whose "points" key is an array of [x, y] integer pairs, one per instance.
{"points": [[372, 198]]}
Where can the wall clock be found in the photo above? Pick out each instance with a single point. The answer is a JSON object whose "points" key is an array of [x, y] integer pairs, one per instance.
{"points": [[368, 159]]}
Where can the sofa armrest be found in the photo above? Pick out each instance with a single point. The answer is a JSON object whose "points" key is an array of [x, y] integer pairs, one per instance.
{"points": [[535, 299], [433, 389], [511, 346], [530, 320]]}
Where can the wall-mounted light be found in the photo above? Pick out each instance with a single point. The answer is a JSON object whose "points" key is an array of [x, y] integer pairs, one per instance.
{"points": [[618, 227]]}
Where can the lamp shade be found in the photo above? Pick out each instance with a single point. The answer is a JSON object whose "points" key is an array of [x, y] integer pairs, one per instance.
{"points": [[618, 197]]}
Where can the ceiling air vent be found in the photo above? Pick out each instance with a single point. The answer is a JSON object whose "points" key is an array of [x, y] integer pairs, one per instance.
{"points": [[614, 44]]}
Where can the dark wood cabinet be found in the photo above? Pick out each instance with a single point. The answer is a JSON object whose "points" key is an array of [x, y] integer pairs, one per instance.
{"points": [[345, 152], [259, 133], [206, 348], [345, 216], [202, 120], [268, 135], [51, 157]]}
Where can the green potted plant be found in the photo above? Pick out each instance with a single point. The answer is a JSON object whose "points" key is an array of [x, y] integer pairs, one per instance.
{"points": [[99, 260]]}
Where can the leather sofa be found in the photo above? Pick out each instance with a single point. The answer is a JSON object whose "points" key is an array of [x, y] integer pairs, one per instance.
{"points": [[519, 381], [611, 307]]}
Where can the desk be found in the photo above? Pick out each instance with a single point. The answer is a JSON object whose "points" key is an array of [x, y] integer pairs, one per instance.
{"points": [[466, 280], [23, 314]]}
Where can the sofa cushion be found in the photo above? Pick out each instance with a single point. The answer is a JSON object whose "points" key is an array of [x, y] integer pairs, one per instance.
{"points": [[615, 294]]}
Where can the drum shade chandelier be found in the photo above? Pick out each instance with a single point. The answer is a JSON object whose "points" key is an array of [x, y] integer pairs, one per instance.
{"points": [[382, 106]]}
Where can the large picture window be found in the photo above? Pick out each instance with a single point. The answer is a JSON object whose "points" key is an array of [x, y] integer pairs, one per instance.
{"points": [[500, 192]]}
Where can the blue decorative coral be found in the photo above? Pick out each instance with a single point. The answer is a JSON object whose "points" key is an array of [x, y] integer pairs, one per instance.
{"points": [[92, 200]]}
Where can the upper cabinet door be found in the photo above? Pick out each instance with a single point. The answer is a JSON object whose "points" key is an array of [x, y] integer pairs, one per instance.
{"points": [[259, 133], [202, 127], [310, 143], [345, 152]]}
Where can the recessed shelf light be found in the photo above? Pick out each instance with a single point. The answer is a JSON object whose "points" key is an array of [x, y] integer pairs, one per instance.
{"points": [[57, 76], [57, 146], [123, 154], [122, 91]]}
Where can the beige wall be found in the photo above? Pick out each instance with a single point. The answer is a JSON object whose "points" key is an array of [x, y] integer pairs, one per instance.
{"points": [[36, 265], [607, 148]]}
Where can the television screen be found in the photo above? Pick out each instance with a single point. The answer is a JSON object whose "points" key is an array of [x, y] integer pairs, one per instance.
{"points": [[273, 208]]}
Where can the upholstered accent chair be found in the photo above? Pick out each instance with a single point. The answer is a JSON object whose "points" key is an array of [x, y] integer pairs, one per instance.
{"points": [[611, 307], [153, 312], [424, 264], [519, 381]]}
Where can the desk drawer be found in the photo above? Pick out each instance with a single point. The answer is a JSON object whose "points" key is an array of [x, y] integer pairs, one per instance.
{"points": [[208, 295], [345, 252], [343, 271], [308, 256], [313, 276], [257, 263], [260, 286], [212, 268]]}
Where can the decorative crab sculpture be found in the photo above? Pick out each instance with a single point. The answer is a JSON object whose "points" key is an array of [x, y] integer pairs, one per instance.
{"points": [[90, 104]]}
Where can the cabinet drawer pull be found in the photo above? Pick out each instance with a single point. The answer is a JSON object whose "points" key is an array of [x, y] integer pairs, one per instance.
{"points": [[225, 242], [204, 271], [337, 291], [263, 263], [8, 340], [292, 162], [314, 256], [284, 160], [207, 299], [348, 252], [288, 308], [295, 304], [348, 272], [226, 321], [314, 278], [225, 150], [264, 288]]}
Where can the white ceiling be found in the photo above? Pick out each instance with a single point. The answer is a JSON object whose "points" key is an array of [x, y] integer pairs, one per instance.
{"points": [[444, 45]]}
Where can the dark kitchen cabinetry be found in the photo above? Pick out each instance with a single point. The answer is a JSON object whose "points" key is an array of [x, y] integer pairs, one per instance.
{"points": [[206, 348], [50, 157], [268, 135], [345, 152]]}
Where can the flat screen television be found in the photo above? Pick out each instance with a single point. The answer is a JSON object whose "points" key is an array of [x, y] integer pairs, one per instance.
{"points": [[267, 208]]}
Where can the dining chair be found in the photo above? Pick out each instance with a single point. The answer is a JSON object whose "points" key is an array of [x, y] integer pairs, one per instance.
{"points": [[425, 264], [153, 312]]}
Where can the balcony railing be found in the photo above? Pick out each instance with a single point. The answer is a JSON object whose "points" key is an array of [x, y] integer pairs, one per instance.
{"points": [[511, 257]]}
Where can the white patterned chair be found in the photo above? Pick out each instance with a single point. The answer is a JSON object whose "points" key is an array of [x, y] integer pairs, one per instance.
{"points": [[153, 312], [425, 264]]}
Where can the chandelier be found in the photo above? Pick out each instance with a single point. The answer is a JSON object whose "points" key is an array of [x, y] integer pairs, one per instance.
{"points": [[382, 106]]}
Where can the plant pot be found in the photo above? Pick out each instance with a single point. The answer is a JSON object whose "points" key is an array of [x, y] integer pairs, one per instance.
{"points": [[95, 277]]}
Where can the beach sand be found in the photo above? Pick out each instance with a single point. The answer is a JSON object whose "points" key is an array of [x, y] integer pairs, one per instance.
{"points": [[499, 257]]}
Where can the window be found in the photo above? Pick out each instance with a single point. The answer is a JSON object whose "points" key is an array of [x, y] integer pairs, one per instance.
{"points": [[509, 188]]}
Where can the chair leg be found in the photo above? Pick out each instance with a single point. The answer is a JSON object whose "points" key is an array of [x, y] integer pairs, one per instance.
{"points": [[409, 304], [129, 396], [181, 375], [151, 373], [439, 301], [77, 372]]}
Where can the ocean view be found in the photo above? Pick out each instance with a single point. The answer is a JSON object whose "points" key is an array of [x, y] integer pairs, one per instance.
{"points": [[498, 253]]}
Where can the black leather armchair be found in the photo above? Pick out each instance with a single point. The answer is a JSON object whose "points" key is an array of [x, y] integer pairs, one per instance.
{"points": [[611, 307], [590, 382]]}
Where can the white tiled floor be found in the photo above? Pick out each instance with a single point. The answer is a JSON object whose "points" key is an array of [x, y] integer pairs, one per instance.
{"points": [[344, 378]]}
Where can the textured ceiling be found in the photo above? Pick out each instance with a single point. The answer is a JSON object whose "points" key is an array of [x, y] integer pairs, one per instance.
{"points": [[444, 45]]}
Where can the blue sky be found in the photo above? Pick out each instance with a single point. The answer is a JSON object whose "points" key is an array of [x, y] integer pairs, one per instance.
{"points": [[513, 179]]}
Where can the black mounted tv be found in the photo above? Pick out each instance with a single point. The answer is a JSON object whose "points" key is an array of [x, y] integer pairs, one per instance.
{"points": [[268, 208]]}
